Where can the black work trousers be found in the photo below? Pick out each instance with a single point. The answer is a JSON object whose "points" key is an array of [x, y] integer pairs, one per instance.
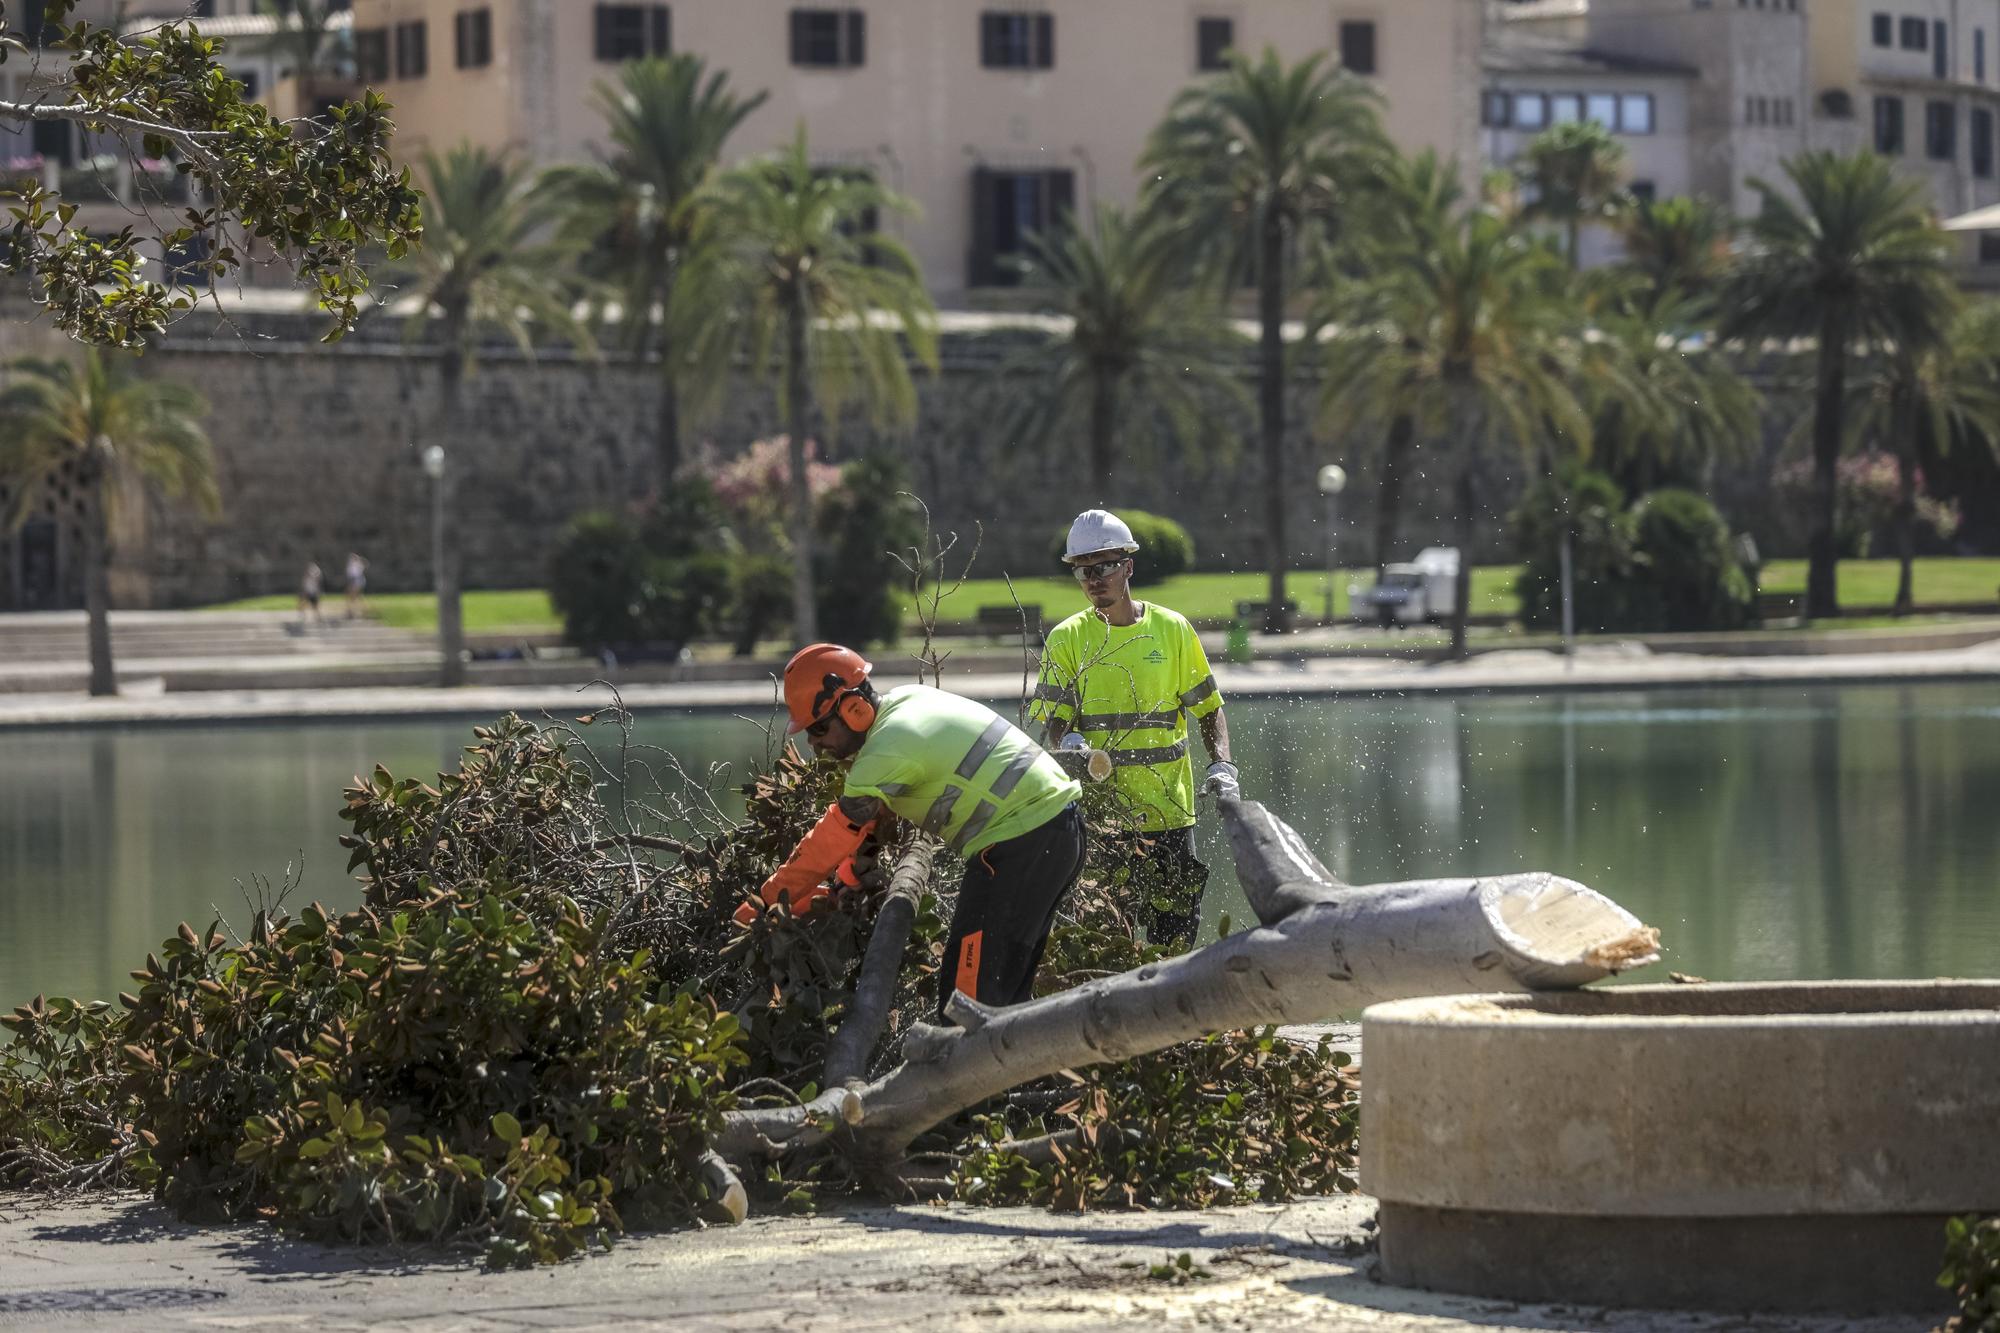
{"points": [[1169, 880], [1006, 907]]}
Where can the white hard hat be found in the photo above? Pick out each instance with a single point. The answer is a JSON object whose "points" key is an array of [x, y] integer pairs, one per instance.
{"points": [[1098, 530]]}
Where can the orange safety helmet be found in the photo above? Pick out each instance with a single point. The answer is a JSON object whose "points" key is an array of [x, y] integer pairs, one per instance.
{"points": [[822, 677]]}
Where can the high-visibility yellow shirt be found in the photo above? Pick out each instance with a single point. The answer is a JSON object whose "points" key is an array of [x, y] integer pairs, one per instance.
{"points": [[1130, 690], [958, 769]]}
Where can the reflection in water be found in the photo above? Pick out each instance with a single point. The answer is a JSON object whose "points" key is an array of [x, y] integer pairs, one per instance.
{"points": [[1770, 833]]}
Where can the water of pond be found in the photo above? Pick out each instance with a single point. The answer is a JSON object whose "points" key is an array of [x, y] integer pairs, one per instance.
{"points": [[1770, 833]]}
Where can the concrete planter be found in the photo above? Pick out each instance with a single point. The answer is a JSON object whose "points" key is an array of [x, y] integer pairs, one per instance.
{"points": [[1791, 1146]]}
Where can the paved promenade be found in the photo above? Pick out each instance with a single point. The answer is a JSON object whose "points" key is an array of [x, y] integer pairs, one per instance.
{"points": [[125, 1264], [1596, 667]]}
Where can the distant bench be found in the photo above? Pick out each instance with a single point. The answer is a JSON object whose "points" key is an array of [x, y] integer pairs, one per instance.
{"points": [[1002, 622], [1780, 605], [1252, 613]]}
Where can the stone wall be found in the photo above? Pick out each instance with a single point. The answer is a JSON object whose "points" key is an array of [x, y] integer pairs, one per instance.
{"points": [[317, 450]]}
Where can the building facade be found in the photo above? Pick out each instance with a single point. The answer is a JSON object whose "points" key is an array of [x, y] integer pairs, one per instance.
{"points": [[1535, 80], [993, 117], [1917, 81]]}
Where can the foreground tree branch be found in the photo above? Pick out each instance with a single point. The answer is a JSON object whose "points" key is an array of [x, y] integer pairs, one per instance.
{"points": [[318, 195], [1324, 948], [847, 1058]]}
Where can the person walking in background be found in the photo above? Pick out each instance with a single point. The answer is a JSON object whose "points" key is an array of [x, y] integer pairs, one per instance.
{"points": [[1124, 677], [309, 593], [357, 584]]}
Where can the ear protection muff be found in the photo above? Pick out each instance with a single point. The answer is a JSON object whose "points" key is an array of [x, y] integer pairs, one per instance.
{"points": [[858, 713]]}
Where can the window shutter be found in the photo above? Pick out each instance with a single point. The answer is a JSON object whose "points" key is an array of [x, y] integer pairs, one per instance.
{"points": [[662, 34], [989, 40], [980, 272], [1045, 41], [460, 38], [799, 25], [603, 33], [1060, 197], [857, 38]]}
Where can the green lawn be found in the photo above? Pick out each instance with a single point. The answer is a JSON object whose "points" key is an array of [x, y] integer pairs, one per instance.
{"points": [[1206, 596], [1941, 581], [520, 609]]}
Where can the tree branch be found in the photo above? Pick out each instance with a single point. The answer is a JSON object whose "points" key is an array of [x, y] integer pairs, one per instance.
{"points": [[847, 1057], [1333, 951]]}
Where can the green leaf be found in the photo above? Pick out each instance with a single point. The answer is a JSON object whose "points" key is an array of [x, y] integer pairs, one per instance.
{"points": [[507, 1127]]}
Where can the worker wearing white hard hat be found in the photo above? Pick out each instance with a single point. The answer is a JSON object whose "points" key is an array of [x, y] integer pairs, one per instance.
{"points": [[1124, 677]]}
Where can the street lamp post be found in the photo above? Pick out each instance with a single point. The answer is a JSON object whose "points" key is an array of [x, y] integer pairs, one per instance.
{"points": [[434, 463], [1332, 481]]}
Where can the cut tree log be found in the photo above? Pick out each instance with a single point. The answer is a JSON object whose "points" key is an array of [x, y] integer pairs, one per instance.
{"points": [[1324, 949], [882, 966]]}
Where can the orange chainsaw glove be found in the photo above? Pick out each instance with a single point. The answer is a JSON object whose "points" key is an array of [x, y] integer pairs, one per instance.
{"points": [[820, 853]]}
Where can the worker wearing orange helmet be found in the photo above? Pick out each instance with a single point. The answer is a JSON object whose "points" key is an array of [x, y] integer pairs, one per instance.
{"points": [[959, 771]]}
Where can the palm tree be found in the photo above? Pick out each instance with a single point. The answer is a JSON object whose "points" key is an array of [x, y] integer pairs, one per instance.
{"points": [[1679, 244], [1573, 173], [1416, 200], [821, 298], [1139, 332], [1478, 336], [1677, 406], [1855, 262], [306, 32], [1922, 399], [482, 265], [95, 425], [1249, 162], [645, 212]]}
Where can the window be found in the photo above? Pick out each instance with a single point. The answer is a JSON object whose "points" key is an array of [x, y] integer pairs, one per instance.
{"points": [[1602, 108], [1531, 110], [1017, 40], [54, 142], [248, 78], [1496, 110], [633, 32], [1889, 125], [1916, 35], [1007, 208], [1565, 108], [1635, 113], [1885, 30], [1643, 191], [1979, 55], [371, 54], [1989, 247], [1786, 108], [413, 59], [1213, 39], [1357, 47], [1940, 50], [1940, 131], [472, 37], [1982, 141], [829, 38]]}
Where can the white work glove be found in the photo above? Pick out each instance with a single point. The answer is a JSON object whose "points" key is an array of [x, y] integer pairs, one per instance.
{"points": [[1072, 740], [1222, 781]]}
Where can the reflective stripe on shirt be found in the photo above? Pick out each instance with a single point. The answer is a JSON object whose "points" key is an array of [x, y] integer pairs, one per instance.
{"points": [[1126, 721], [1145, 758]]}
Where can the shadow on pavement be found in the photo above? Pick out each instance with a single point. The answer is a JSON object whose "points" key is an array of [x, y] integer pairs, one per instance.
{"points": [[259, 1251]]}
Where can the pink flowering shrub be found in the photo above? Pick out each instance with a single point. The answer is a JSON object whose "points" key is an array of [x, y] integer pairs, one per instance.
{"points": [[1865, 490]]}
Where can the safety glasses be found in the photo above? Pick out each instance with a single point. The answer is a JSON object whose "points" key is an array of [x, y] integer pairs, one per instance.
{"points": [[1103, 569]]}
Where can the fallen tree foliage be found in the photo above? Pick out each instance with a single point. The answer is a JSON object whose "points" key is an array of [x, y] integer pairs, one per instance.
{"points": [[542, 1026]]}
